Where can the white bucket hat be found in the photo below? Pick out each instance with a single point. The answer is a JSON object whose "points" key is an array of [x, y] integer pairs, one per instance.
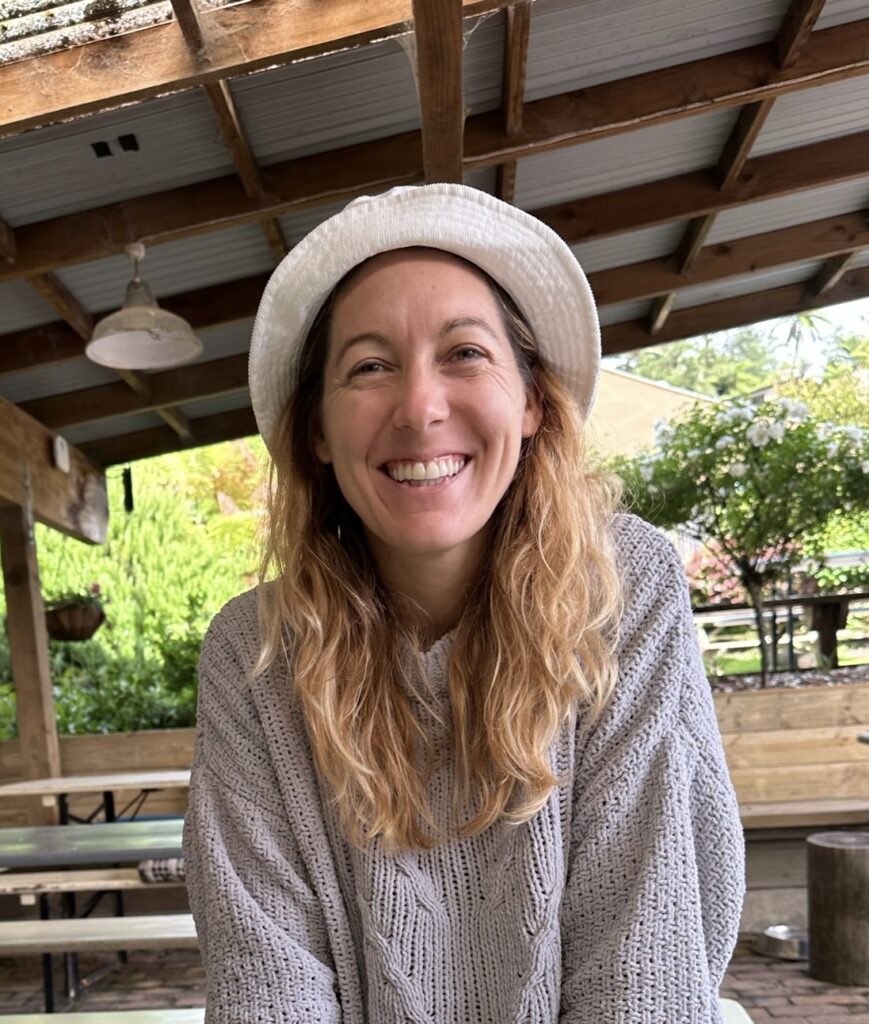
{"points": [[527, 258]]}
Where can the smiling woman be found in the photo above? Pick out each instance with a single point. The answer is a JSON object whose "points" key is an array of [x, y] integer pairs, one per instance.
{"points": [[457, 760]]}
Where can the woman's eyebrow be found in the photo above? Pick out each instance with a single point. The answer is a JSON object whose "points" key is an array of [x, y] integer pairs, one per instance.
{"points": [[379, 339], [467, 321]]}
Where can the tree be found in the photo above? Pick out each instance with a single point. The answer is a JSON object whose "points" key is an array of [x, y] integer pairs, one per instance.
{"points": [[729, 363], [759, 479]]}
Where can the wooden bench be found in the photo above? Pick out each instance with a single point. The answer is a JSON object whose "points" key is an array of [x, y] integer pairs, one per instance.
{"points": [[98, 934], [188, 1016], [29, 885]]}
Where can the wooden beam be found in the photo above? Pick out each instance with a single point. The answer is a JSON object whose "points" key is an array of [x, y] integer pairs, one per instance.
{"points": [[140, 384], [167, 388], [177, 421], [241, 38], [516, 39], [204, 307], [693, 241], [736, 312], [187, 17], [831, 272], [55, 292], [90, 234], [275, 237], [661, 309], [738, 257], [229, 123], [8, 248], [437, 25], [144, 444], [696, 193], [656, 97], [74, 502], [735, 153], [796, 29], [28, 651]]}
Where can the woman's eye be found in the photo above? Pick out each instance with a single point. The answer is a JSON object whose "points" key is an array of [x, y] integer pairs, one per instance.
{"points": [[366, 368], [467, 353]]}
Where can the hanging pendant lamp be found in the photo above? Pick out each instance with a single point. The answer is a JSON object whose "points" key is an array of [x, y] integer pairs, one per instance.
{"points": [[141, 336]]}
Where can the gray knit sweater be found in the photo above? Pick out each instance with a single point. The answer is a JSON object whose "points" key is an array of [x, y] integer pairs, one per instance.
{"points": [[618, 902]]}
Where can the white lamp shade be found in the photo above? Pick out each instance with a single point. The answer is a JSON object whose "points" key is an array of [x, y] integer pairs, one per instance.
{"points": [[141, 336]]}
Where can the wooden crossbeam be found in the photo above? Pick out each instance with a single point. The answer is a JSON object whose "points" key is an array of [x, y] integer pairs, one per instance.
{"points": [[203, 307], [693, 241], [796, 29], [437, 25], [187, 16], [516, 40], [661, 308], [734, 312], [831, 272], [241, 38], [8, 248], [177, 421], [55, 292], [90, 234], [747, 128]]}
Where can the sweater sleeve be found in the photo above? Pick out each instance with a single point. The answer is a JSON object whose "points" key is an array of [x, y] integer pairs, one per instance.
{"points": [[261, 929], [655, 879]]}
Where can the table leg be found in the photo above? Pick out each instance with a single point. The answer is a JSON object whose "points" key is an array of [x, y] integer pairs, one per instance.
{"points": [[47, 962]]}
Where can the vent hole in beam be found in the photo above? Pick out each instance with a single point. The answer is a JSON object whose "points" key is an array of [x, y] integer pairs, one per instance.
{"points": [[101, 149]]}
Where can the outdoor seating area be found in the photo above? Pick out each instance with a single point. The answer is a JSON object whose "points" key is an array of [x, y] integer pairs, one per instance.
{"points": [[708, 164]]}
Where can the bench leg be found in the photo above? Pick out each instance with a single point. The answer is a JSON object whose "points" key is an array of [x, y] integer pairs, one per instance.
{"points": [[47, 962]]}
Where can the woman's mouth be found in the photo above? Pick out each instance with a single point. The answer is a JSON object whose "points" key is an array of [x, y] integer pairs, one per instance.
{"points": [[433, 473]]}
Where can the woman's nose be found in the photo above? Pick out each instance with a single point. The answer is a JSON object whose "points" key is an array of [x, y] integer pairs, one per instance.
{"points": [[420, 401]]}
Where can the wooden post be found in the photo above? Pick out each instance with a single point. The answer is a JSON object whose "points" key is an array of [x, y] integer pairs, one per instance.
{"points": [[28, 644], [838, 875]]}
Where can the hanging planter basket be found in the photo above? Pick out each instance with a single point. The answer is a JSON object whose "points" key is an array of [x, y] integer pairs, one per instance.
{"points": [[73, 621]]}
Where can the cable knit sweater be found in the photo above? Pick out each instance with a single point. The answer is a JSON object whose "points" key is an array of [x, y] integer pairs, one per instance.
{"points": [[618, 902]]}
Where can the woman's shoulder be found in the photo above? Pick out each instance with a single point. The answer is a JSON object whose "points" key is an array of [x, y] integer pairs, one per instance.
{"points": [[641, 548], [233, 635]]}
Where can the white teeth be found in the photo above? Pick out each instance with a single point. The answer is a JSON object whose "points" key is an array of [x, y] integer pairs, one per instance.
{"points": [[437, 469]]}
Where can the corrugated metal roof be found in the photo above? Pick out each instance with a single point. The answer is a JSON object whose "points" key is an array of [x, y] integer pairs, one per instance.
{"points": [[747, 283], [622, 311], [862, 260], [112, 428], [576, 45], [178, 266], [217, 405], [623, 160], [798, 208], [351, 97], [21, 306], [55, 170], [54, 379], [629, 247], [226, 340], [837, 12], [813, 115]]}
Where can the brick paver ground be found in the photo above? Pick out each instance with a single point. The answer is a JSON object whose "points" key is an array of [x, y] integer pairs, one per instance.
{"points": [[771, 990]]}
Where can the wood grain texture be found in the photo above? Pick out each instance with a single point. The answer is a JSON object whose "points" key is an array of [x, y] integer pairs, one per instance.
{"points": [[98, 934], [188, 20], [742, 137], [796, 29], [55, 292], [516, 39], [440, 77]]}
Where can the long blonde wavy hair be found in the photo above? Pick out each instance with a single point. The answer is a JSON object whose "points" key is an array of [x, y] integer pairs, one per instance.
{"points": [[533, 648]]}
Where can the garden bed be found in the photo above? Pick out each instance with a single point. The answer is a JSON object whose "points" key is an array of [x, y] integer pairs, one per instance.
{"points": [[791, 680]]}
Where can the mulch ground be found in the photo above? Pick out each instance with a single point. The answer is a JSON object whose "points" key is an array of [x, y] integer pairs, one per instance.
{"points": [[792, 680], [770, 990]]}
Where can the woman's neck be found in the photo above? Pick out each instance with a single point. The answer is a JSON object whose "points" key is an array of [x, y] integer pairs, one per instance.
{"points": [[430, 589]]}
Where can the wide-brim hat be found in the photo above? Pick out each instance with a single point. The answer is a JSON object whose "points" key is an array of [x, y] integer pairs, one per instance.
{"points": [[527, 258]]}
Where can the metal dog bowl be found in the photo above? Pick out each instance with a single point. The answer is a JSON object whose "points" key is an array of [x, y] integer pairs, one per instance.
{"points": [[783, 942]]}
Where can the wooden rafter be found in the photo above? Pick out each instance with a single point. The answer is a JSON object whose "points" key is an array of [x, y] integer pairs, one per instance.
{"points": [[831, 273], [187, 17], [735, 312], [55, 292], [791, 38], [516, 40], [241, 38], [8, 247], [437, 26]]}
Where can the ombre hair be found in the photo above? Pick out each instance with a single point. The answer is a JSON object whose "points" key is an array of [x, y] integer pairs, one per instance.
{"points": [[533, 650]]}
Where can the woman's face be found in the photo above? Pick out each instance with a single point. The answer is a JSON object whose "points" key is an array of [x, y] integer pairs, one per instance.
{"points": [[421, 381]]}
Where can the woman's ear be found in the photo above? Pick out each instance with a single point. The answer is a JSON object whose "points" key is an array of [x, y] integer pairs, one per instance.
{"points": [[322, 449], [533, 415]]}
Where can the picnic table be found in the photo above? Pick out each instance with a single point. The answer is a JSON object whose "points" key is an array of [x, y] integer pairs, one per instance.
{"points": [[59, 788], [47, 846]]}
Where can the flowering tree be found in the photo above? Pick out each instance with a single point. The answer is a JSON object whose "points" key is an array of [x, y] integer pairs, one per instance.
{"points": [[758, 480]]}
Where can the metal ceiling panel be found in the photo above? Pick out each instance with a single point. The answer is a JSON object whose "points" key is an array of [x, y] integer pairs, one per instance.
{"points": [[837, 12], [747, 283], [226, 340], [813, 115], [861, 260], [54, 379], [622, 311], [575, 45], [179, 266], [629, 247], [21, 306], [112, 428], [620, 161], [798, 208], [356, 95], [56, 170]]}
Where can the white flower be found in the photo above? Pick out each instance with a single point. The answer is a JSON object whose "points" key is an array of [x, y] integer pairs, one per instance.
{"points": [[832, 449], [864, 466], [738, 469], [724, 441], [694, 453], [758, 434], [799, 411], [854, 434], [653, 489], [777, 431], [647, 471]]}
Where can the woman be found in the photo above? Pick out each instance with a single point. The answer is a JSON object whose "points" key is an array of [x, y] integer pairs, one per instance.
{"points": [[458, 761]]}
